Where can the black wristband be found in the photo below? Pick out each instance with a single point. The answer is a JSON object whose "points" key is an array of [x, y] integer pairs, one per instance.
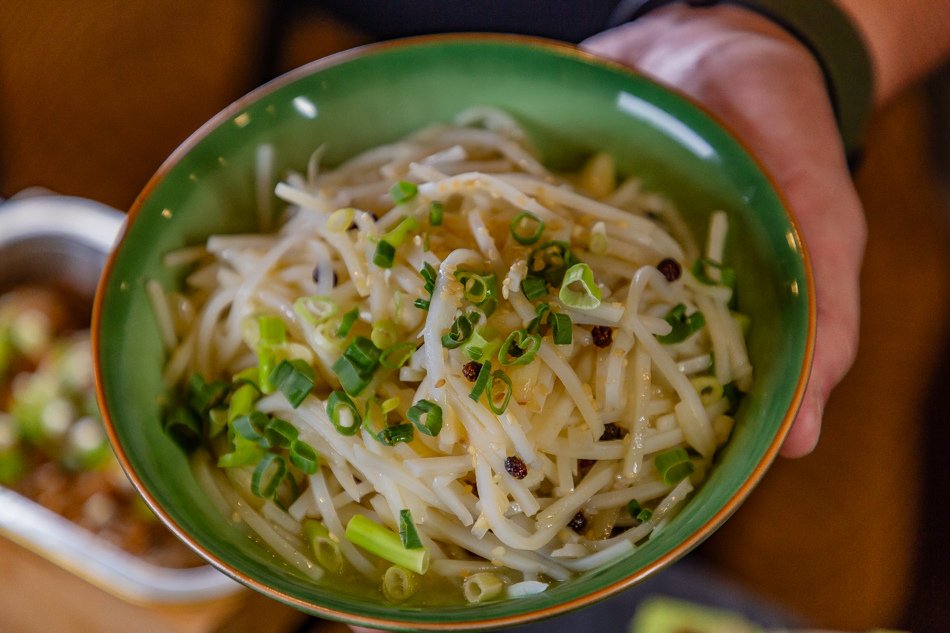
{"points": [[828, 33]]}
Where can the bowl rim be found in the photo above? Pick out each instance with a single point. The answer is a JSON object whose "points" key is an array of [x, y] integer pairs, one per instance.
{"points": [[558, 48]]}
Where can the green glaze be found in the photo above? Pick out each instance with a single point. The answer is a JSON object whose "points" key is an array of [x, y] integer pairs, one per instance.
{"points": [[571, 105]]}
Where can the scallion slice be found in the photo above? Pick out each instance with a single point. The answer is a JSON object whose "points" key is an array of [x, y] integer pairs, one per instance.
{"points": [[578, 288], [550, 261], [400, 233], [435, 213], [267, 476], [480, 290], [481, 382], [499, 393], [346, 323], [727, 276], [427, 416], [540, 311], [403, 191], [244, 453], [684, 325], [251, 427], [343, 413], [562, 329], [316, 309], [673, 465], [386, 544], [526, 228], [272, 331], [242, 400], [280, 433], [397, 355], [483, 344], [294, 379], [304, 457], [325, 548], [385, 254], [461, 330], [363, 353], [392, 435], [384, 333], [519, 348], [407, 530], [533, 287], [181, 425]]}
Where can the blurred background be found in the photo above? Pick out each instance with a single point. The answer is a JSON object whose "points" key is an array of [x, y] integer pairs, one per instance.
{"points": [[95, 94]]}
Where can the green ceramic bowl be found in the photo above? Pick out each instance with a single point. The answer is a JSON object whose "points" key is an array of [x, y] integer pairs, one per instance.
{"points": [[571, 104]]}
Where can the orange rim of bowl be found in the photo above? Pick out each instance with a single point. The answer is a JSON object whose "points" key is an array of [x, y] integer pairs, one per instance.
{"points": [[680, 550]]}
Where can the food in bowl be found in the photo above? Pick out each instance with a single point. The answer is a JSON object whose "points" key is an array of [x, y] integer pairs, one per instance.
{"points": [[53, 448], [452, 375]]}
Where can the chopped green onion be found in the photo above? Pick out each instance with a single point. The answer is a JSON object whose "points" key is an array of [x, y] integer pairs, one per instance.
{"points": [[294, 379], [435, 213], [400, 233], [403, 191], [384, 255], [482, 344], [304, 457], [217, 421], [351, 378], [731, 392], [683, 326], [428, 275], [499, 393], [343, 413], [325, 549], [244, 453], [598, 238], [396, 356], [727, 276], [480, 290], [562, 328], [673, 465], [392, 435], [266, 362], [399, 584], [461, 330], [316, 309], [384, 333], [242, 400], [181, 425], [526, 228], [251, 427], [272, 331], [363, 353], [534, 326], [341, 220], [346, 324], [638, 512], [247, 376], [482, 587], [203, 396], [268, 475], [280, 433], [588, 296], [427, 416], [390, 404], [481, 382], [386, 544], [407, 530], [533, 287], [519, 348], [709, 389], [550, 261]]}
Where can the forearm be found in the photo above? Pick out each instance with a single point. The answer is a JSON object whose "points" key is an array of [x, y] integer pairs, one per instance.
{"points": [[906, 39]]}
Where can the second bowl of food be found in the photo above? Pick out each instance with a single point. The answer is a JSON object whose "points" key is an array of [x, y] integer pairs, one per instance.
{"points": [[457, 332]]}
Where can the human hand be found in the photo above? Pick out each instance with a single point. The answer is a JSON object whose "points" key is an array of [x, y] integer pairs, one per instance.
{"points": [[770, 91]]}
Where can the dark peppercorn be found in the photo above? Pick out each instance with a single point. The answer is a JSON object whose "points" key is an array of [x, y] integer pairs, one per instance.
{"points": [[603, 335], [515, 467], [670, 269], [470, 370], [578, 523], [611, 432]]}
